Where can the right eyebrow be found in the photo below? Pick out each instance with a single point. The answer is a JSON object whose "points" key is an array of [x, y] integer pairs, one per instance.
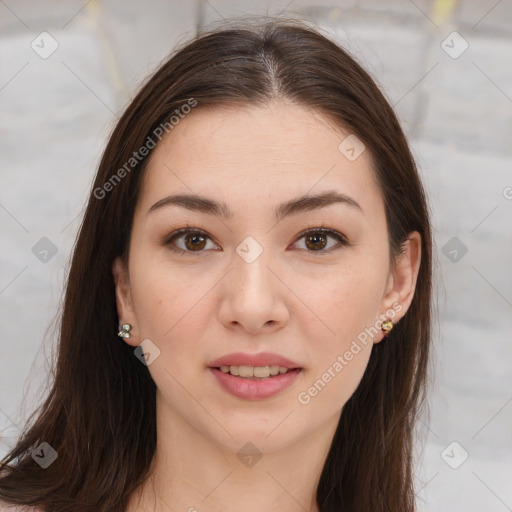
{"points": [[292, 207]]}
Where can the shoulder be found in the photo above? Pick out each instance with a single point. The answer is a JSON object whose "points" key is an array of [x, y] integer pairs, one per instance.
{"points": [[17, 508]]}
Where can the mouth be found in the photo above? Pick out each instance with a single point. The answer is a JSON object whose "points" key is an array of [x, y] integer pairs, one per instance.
{"points": [[255, 376], [256, 372], [255, 382]]}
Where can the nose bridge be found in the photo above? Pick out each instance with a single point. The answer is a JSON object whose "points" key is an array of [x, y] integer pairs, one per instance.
{"points": [[251, 297], [251, 270]]}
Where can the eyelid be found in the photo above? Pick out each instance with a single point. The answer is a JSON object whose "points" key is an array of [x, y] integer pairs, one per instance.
{"points": [[167, 241], [322, 229]]}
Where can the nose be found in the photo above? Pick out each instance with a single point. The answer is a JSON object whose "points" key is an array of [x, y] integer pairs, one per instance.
{"points": [[253, 297]]}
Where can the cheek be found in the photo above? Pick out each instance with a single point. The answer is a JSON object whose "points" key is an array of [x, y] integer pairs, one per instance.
{"points": [[332, 385], [340, 357], [349, 306], [350, 302], [169, 300]]}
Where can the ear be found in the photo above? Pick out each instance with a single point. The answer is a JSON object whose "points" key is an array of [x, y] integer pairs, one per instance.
{"points": [[402, 280], [124, 302]]}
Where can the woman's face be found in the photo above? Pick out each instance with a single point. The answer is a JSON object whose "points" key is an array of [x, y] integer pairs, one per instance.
{"points": [[252, 282]]}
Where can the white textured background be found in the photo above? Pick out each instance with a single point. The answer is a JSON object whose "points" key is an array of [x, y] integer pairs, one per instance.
{"points": [[56, 115]]}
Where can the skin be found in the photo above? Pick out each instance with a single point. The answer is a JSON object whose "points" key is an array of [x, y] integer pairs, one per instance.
{"points": [[291, 300]]}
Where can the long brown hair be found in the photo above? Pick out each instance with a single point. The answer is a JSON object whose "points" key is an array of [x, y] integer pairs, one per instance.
{"points": [[100, 413]]}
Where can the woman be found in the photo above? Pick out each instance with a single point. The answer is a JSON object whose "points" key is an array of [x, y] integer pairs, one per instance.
{"points": [[247, 315]]}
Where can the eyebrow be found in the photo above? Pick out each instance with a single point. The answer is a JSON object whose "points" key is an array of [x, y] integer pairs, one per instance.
{"points": [[295, 206]]}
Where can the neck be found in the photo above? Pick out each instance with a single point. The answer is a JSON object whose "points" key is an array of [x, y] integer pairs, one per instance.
{"points": [[190, 472]]}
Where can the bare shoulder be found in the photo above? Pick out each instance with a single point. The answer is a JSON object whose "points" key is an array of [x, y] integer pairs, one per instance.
{"points": [[4, 507]]}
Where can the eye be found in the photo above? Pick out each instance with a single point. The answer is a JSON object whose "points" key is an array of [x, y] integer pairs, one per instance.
{"points": [[195, 240], [316, 239]]}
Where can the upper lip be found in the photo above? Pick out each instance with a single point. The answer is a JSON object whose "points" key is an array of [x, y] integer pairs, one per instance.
{"points": [[260, 359]]}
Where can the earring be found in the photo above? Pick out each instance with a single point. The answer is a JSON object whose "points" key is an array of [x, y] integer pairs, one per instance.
{"points": [[125, 331], [386, 327]]}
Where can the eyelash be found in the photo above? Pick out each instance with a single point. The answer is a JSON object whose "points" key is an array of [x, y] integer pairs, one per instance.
{"points": [[342, 240]]}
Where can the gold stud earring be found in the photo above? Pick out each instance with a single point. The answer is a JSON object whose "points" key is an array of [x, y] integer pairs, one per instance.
{"points": [[124, 332], [387, 325]]}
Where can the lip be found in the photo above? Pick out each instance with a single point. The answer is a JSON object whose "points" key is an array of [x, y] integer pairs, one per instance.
{"points": [[260, 359], [253, 388]]}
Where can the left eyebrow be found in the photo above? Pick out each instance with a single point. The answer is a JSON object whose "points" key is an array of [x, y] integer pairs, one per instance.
{"points": [[292, 207]]}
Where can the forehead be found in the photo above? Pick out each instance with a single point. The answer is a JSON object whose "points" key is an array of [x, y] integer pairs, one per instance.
{"points": [[237, 153]]}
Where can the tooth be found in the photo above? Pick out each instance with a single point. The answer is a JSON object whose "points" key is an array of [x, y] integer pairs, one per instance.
{"points": [[246, 371], [262, 371], [274, 370]]}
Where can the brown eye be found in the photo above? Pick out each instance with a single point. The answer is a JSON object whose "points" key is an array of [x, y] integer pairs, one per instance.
{"points": [[316, 240], [193, 241]]}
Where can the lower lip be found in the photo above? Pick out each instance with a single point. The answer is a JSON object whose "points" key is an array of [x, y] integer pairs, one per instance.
{"points": [[255, 389]]}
